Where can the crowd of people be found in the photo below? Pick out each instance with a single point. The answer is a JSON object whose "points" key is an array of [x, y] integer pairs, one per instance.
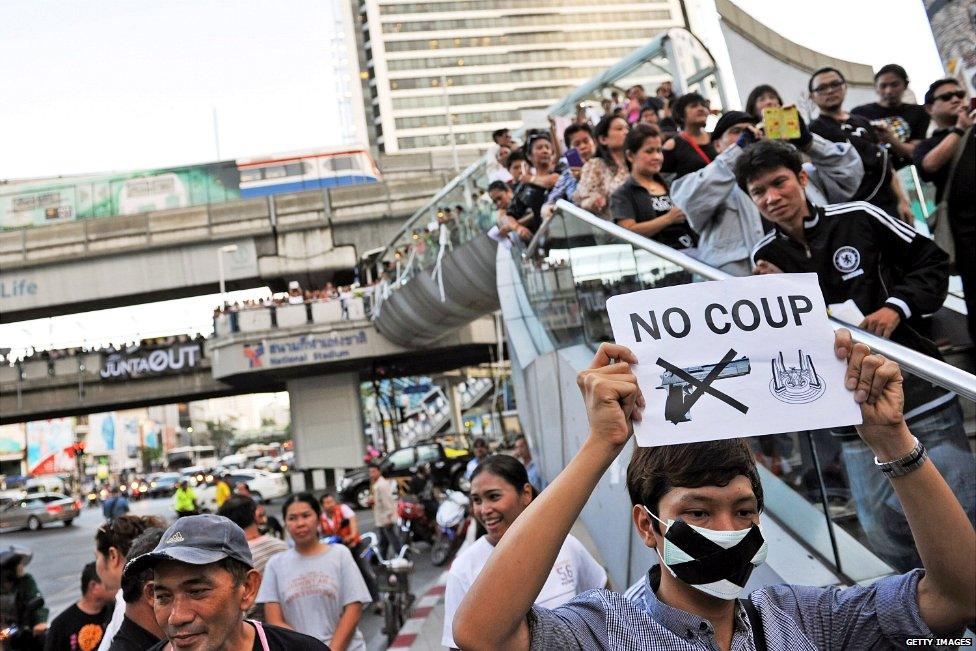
{"points": [[826, 199], [296, 296], [648, 164], [216, 582]]}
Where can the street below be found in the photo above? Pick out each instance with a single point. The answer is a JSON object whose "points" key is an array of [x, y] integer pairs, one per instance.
{"points": [[61, 552]]}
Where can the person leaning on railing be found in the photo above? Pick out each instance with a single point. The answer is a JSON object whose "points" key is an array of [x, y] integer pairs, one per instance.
{"points": [[643, 203], [893, 276], [533, 188]]}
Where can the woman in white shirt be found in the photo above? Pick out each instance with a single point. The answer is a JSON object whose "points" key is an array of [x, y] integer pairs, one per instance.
{"points": [[500, 491]]}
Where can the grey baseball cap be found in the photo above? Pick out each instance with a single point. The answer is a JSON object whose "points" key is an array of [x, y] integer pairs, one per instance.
{"points": [[196, 540]]}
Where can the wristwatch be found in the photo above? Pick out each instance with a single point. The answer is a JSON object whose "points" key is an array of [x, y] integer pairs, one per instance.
{"points": [[906, 464], [957, 131]]}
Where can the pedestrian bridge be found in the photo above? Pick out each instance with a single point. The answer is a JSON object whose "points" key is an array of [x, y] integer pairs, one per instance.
{"points": [[107, 262], [260, 353]]}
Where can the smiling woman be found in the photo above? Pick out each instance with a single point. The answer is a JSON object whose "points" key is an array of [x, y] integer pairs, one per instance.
{"points": [[500, 492]]}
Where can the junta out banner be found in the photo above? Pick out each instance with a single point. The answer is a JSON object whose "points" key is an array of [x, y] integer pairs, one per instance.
{"points": [[148, 362]]}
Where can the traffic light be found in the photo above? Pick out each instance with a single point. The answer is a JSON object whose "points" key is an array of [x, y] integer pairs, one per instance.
{"points": [[77, 449]]}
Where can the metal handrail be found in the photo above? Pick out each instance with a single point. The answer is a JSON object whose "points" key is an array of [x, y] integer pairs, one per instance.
{"points": [[454, 183], [536, 240], [935, 371]]}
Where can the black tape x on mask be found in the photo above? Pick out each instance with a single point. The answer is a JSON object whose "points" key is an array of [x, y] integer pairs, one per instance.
{"points": [[718, 563]]}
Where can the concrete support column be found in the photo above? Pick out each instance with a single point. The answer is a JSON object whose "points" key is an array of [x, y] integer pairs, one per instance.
{"points": [[326, 421], [457, 422]]}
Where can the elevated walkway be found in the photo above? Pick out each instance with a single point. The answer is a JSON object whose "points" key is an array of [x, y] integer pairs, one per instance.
{"points": [[113, 261], [262, 357]]}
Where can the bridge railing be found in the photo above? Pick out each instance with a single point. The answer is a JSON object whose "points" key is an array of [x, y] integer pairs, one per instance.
{"points": [[390, 199], [258, 318]]}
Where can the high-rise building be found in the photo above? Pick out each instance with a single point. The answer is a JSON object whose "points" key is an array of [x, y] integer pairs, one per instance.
{"points": [[484, 61]]}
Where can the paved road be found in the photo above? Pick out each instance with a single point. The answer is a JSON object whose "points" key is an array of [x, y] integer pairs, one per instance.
{"points": [[61, 552]]}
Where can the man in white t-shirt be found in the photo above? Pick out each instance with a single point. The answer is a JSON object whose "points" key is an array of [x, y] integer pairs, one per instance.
{"points": [[574, 572]]}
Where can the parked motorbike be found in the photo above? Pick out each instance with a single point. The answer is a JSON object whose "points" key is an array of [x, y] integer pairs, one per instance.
{"points": [[452, 526], [415, 522]]}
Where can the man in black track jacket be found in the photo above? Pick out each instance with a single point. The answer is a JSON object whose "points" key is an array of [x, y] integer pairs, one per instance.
{"points": [[894, 276]]}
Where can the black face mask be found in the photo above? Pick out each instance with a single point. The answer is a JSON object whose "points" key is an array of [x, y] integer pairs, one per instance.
{"points": [[712, 563]]}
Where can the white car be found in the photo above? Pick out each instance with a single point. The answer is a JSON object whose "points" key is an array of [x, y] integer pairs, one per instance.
{"points": [[264, 485]]}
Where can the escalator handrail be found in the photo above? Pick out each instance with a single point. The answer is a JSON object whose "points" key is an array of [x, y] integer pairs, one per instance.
{"points": [[453, 184], [935, 371]]}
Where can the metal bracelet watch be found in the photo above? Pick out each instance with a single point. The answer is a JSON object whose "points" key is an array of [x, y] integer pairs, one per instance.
{"points": [[906, 464]]}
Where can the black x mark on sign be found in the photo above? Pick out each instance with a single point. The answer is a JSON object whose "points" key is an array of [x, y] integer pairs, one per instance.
{"points": [[704, 385]]}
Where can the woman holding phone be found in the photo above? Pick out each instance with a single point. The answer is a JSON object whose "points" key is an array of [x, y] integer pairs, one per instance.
{"points": [[762, 96]]}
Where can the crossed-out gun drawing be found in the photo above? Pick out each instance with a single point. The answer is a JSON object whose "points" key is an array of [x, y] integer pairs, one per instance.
{"points": [[686, 385]]}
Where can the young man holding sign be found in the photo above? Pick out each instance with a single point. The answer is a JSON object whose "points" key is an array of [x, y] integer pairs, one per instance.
{"points": [[880, 274], [711, 537]]}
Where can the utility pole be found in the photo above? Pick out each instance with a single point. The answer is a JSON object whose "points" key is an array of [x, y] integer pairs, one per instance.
{"points": [[450, 124]]}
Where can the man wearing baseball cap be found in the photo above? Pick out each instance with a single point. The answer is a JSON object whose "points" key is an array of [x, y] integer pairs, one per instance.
{"points": [[203, 582]]}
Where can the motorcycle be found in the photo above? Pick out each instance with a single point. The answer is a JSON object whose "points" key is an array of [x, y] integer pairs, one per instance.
{"points": [[452, 526], [415, 523], [18, 637], [16, 633]]}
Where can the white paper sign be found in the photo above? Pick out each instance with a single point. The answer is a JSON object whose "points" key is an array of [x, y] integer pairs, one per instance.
{"points": [[733, 358]]}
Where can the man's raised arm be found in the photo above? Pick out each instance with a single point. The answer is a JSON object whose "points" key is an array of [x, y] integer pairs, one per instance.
{"points": [[943, 534], [492, 614]]}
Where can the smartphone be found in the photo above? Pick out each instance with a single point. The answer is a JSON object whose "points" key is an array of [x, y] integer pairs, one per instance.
{"points": [[781, 123], [573, 157]]}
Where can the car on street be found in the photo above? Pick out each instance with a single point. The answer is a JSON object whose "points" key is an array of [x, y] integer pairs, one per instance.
{"points": [[265, 463], [264, 485], [197, 475], [34, 510], [163, 484], [447, 467]]}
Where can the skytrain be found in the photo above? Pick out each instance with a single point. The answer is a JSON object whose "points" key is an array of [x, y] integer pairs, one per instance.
{"points": [[36, 202]]}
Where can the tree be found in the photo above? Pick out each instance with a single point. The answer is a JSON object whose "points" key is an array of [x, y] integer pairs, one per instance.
{"points": [[218, 434]]}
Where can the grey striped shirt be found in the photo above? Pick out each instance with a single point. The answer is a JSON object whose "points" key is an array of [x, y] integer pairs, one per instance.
{"points": [[880, 616]]}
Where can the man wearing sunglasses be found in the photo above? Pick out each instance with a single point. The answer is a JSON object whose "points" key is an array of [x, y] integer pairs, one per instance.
{"points": [[948, 160], [880, 186]]}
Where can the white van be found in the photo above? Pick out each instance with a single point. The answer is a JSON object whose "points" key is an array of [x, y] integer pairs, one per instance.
{"points": [[233, 461], [49, 484]]}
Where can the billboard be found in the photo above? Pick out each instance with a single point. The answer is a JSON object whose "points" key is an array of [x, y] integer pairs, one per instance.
{"points": [[146, 362], [46, 442]]}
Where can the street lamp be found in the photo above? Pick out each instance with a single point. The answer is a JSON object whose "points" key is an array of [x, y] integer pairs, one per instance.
{"points": [[230, 248]]}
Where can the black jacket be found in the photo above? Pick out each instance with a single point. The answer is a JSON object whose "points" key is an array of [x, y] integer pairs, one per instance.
{"points": [[861, 253]]}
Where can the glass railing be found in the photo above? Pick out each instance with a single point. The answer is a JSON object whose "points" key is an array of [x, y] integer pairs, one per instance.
{"points": [[817, 483]]}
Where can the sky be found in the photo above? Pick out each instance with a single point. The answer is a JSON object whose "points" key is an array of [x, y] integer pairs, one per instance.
{"points": [[100, 85]]}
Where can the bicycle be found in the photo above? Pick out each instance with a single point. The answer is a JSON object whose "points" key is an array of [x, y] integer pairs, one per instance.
{"points": [[393, 583]]}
